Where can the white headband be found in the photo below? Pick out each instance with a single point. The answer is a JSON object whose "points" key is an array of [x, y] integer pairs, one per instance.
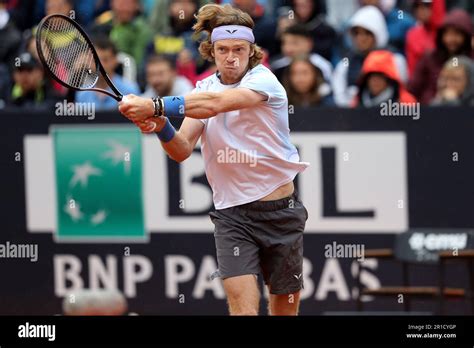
{"points": [[232, 32]]}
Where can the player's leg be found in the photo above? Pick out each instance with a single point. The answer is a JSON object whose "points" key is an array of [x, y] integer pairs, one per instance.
{"points": [[287, 304], [280, 225], [238, 260], [243, 295]]}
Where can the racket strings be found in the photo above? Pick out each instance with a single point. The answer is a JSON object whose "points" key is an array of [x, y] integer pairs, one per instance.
{"points": [[68, 54]]}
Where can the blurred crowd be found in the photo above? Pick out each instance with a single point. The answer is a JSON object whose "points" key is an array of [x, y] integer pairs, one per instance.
{"points": [[346, 53]]}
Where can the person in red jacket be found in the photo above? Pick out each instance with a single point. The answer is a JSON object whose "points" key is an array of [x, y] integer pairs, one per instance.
{"points": [[380, 82], [421, 38], [452, 39]]}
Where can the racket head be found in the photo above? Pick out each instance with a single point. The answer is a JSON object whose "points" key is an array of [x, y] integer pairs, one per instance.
{"points": [[69, 56]]}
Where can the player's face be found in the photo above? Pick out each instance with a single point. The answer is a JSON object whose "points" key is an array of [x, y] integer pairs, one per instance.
{"points": [[232, 58]]}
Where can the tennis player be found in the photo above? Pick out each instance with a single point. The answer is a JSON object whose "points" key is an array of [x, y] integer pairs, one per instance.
{"points": [[241, 111]]}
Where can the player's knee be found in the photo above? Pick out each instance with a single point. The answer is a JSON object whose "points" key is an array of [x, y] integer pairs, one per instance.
{"points": [[242, 302], [287, 304]]}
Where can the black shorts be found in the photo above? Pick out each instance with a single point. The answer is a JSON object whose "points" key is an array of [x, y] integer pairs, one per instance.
{"points": [[262, 236]]}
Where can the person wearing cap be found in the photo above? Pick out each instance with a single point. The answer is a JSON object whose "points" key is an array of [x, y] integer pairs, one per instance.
{"points": [[29, 89], [240, 113], [421, 38]]}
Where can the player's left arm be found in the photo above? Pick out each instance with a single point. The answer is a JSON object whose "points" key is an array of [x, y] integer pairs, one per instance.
{"points": [[198, 105]]}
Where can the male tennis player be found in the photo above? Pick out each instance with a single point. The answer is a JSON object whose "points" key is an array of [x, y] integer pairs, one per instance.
{"points": [[259, 220]]}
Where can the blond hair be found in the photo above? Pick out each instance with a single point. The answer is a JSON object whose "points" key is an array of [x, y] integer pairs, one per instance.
{"points": [[211, 16]]}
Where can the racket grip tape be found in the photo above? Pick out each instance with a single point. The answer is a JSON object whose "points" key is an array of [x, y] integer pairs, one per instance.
{"points": [[167, 132], [173, 106]]}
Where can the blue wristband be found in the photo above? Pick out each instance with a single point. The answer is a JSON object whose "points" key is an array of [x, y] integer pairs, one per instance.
{"points": [[167, 132], [173, 106]]}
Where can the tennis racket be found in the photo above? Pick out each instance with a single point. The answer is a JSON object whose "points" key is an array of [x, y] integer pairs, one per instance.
{"points": [[69, 57]]}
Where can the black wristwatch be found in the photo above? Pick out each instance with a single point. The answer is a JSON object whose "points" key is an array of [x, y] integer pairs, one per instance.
{"points": [[158, 104]]}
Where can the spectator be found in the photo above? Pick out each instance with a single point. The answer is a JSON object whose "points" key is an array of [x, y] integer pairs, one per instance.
{"points": [[5, 85], [422, 37], [49, 7], [368, 32], [88, 10], [147, 6], [126, 28], [453, 38], [10, 37], [398, 22], [22, 12], [64, 7], [456, 83], [107, 53], [176, 39], [467, 5], [84, 10], [160, 23], [380, 81], [307, 13], [162, 80], [29, 45], [285, 19], [30, 89], [305, 83], [265, 26], [297, 40]]}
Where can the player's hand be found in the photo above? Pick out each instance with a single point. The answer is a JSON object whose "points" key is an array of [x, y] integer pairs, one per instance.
{"points": [[151, 125], [136, 108]]}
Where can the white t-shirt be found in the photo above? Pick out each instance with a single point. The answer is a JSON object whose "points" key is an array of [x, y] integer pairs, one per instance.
{"points": [[247, 152]]}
